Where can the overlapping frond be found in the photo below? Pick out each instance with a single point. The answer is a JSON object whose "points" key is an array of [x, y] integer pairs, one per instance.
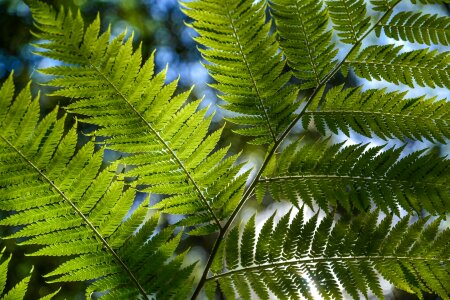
{"points": [[349, 19], [140, 115], [422, 67], [19, 291], [285, 259], [356, 176], [245, 61], [377, 112], [417, 28], [62, 201], [305, 39]]}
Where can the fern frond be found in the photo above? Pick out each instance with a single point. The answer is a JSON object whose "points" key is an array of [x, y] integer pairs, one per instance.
{"points": [[349, 19], [61, 201], [376, 112], [418, 67], [140, 115], [417, 27], [304, 38], [246, 64], [286, 258], [355, 176]]}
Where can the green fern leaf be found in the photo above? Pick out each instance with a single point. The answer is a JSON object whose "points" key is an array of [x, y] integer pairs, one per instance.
{"points": [[141, 116], [349, 19], [418, 67], [304, 38], [354, 176], [417, 27], [63, 202], [376, 112], [244, 60], [412, 257]]}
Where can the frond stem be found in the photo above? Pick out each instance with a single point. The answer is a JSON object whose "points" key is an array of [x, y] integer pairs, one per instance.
{"points": [[272, 151], [322, 259], [82, 216], [362, 112], [378, 63], [343, 177]]}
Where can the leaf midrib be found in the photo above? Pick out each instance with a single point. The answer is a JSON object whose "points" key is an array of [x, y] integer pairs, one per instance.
{"points": [[80, 214], [382, 113], [321, 259], [348, 177], [374, 62]]}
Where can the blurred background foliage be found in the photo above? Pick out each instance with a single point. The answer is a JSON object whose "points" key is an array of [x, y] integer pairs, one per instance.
{"points": [[159, 25]]}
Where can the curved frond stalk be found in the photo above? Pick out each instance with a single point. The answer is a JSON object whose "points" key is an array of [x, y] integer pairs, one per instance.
{"points": [[417, 28], [349, 19], [418, 67], [376, 112], [245, 62], [354, 176], [286, 258], [304, 38], [141, 116], [62, 201]]}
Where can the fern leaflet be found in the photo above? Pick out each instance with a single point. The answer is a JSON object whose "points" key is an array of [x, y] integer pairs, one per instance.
{"points": [[353, 176], [286, 258], [304, 38], [349, 18], [417, 27], [417, 67], [376, 112]]}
